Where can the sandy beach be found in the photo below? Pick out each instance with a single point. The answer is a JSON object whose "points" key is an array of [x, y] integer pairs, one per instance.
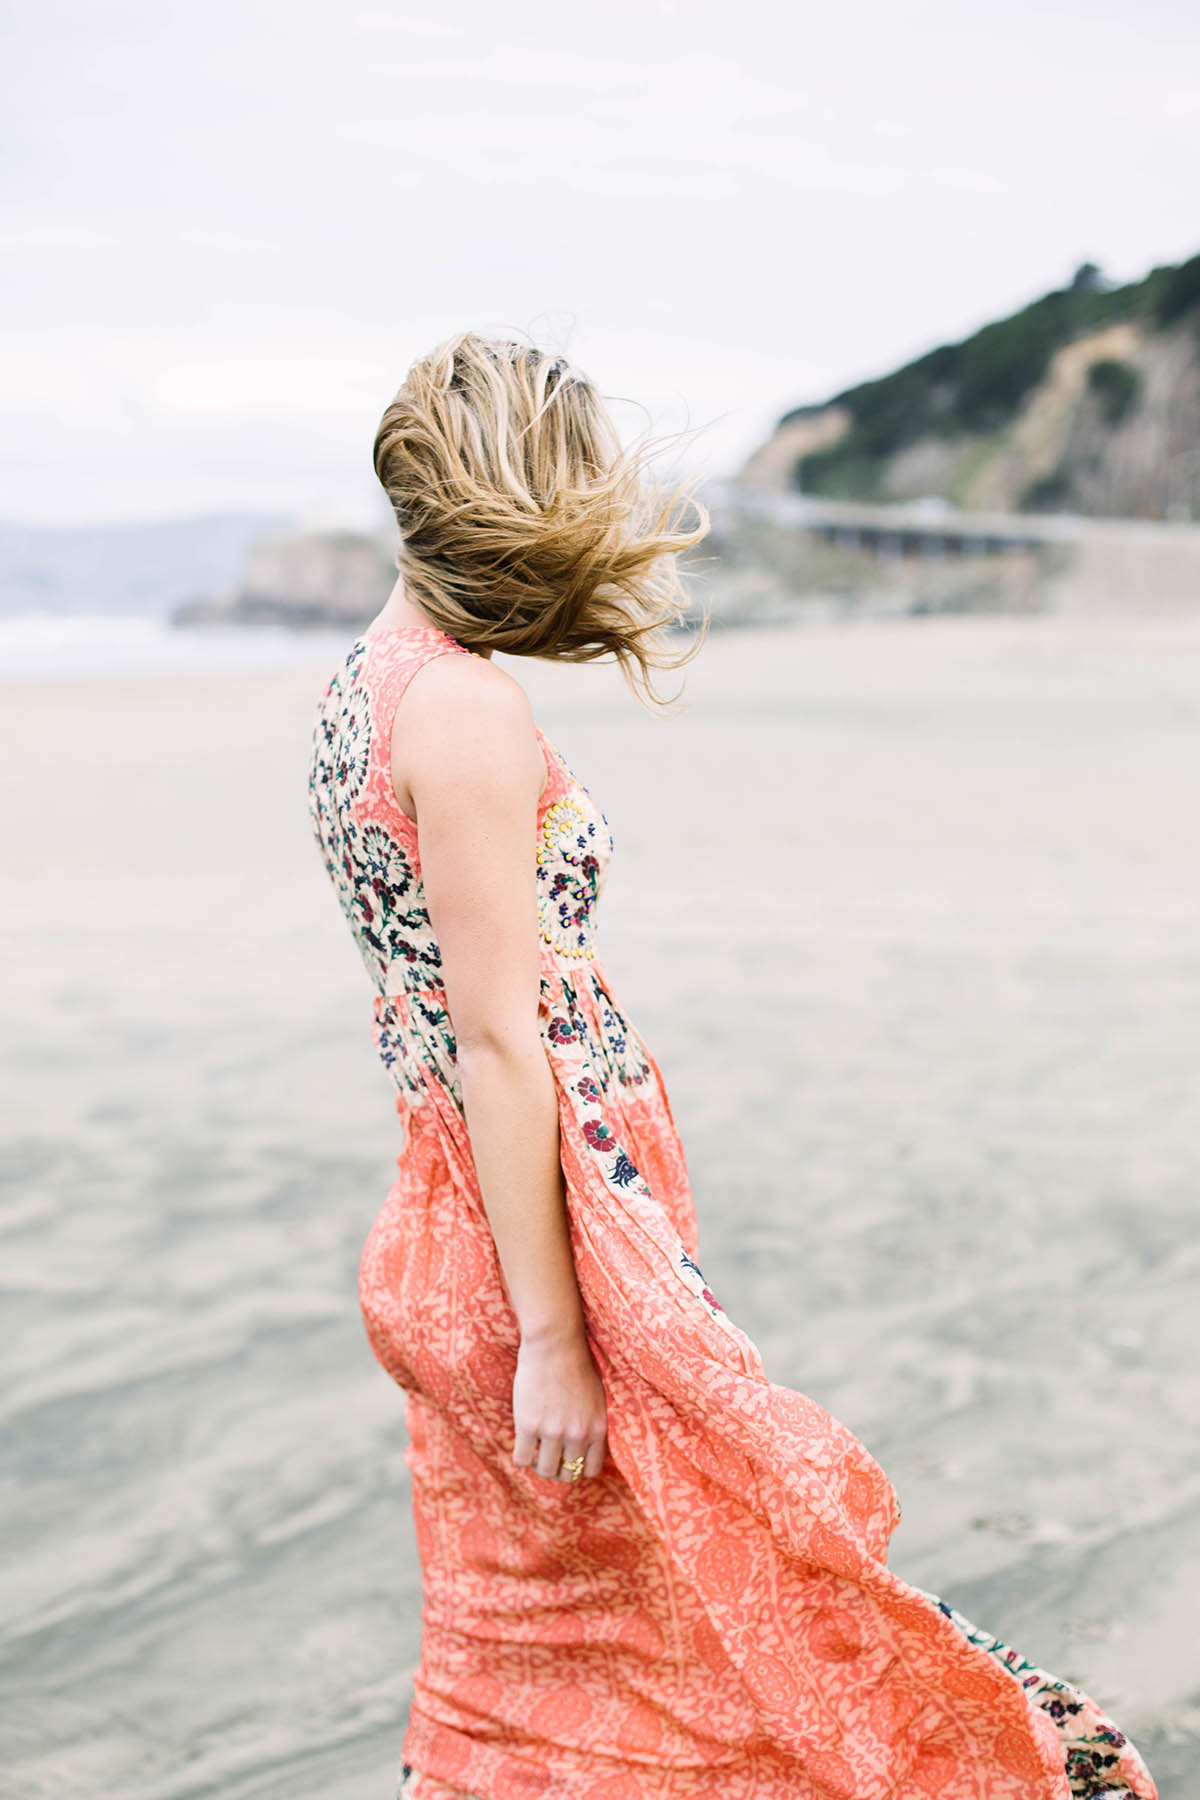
{"points": [[910, 915]]}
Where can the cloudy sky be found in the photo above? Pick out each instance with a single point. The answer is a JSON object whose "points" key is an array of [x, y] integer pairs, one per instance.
{"points": [[229, 227]]}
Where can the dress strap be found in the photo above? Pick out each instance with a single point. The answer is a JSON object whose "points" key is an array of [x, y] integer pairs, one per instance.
{"points": [[401, 650], [388, 661], [396, 655]]}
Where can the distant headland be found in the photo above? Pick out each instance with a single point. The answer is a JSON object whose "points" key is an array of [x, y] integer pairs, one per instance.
{"points": [[1049, 461]]}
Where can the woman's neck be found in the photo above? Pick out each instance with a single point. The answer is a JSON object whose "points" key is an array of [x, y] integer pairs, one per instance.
{"points": [[400, 609]]}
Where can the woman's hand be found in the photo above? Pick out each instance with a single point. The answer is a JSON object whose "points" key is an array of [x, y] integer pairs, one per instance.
{"points": [[559, 1409]]}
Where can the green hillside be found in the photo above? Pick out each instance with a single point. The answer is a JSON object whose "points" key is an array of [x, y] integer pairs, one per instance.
{"points": [[975, 389]]}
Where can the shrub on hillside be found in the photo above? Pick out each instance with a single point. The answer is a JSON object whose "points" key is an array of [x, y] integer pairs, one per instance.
{"points": [[1116, 385], [1050, 493]]}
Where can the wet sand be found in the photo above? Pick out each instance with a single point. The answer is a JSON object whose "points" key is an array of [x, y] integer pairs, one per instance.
{"points": [[910, 915]]}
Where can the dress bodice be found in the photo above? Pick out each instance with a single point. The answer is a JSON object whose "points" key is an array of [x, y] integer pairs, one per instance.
{"points": [[371, 847], [371, 851]]}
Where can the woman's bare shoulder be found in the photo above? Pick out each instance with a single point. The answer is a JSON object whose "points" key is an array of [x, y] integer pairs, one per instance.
{"points": [[469, 689], [464, 720]]}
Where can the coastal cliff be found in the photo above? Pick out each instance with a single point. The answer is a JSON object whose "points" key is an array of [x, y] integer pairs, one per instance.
{"points": [[1087, 401]]}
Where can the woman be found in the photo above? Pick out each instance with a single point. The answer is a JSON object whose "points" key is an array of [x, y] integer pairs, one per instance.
{"points": [[649, 1573]]}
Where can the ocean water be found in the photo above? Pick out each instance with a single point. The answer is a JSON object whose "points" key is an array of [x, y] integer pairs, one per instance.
{"points": [[38, 647]]}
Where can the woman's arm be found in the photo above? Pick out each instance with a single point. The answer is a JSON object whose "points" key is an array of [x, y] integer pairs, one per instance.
{"points": [[464, 748]]}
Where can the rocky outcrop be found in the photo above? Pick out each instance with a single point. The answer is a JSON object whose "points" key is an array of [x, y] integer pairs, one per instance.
{"points": [[303, 578], [800, 434]]}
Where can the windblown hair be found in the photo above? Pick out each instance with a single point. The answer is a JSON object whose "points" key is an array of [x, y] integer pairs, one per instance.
{"points": [[525, 526]]}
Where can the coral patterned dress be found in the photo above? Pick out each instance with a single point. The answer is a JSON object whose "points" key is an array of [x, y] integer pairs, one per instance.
{"points": [[713, 1615]]}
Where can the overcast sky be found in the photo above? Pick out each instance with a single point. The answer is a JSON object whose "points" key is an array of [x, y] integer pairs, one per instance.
{"points": [[228, 227]]}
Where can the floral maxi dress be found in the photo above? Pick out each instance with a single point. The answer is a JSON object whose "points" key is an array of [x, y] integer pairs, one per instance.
{"points": [[713, 1615]]}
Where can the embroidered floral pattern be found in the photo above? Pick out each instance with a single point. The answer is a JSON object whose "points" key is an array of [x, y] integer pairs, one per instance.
{"points": [[689, 1268], [615, 1047], [573, 851], [371, 870], [1099, 1760]]}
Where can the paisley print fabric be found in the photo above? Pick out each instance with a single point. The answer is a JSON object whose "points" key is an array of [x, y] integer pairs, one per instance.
{"points": [[714, 1614]]}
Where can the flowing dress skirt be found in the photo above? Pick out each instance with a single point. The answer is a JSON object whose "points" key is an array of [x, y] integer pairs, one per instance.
{"points": [[713, 1615]]}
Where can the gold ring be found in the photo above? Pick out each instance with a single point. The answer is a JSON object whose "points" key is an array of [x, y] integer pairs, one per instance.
{"points": [[575, 1465]]}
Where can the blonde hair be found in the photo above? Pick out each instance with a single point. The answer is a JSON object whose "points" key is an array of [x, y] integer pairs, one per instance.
{"points": [[525, 527]]}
